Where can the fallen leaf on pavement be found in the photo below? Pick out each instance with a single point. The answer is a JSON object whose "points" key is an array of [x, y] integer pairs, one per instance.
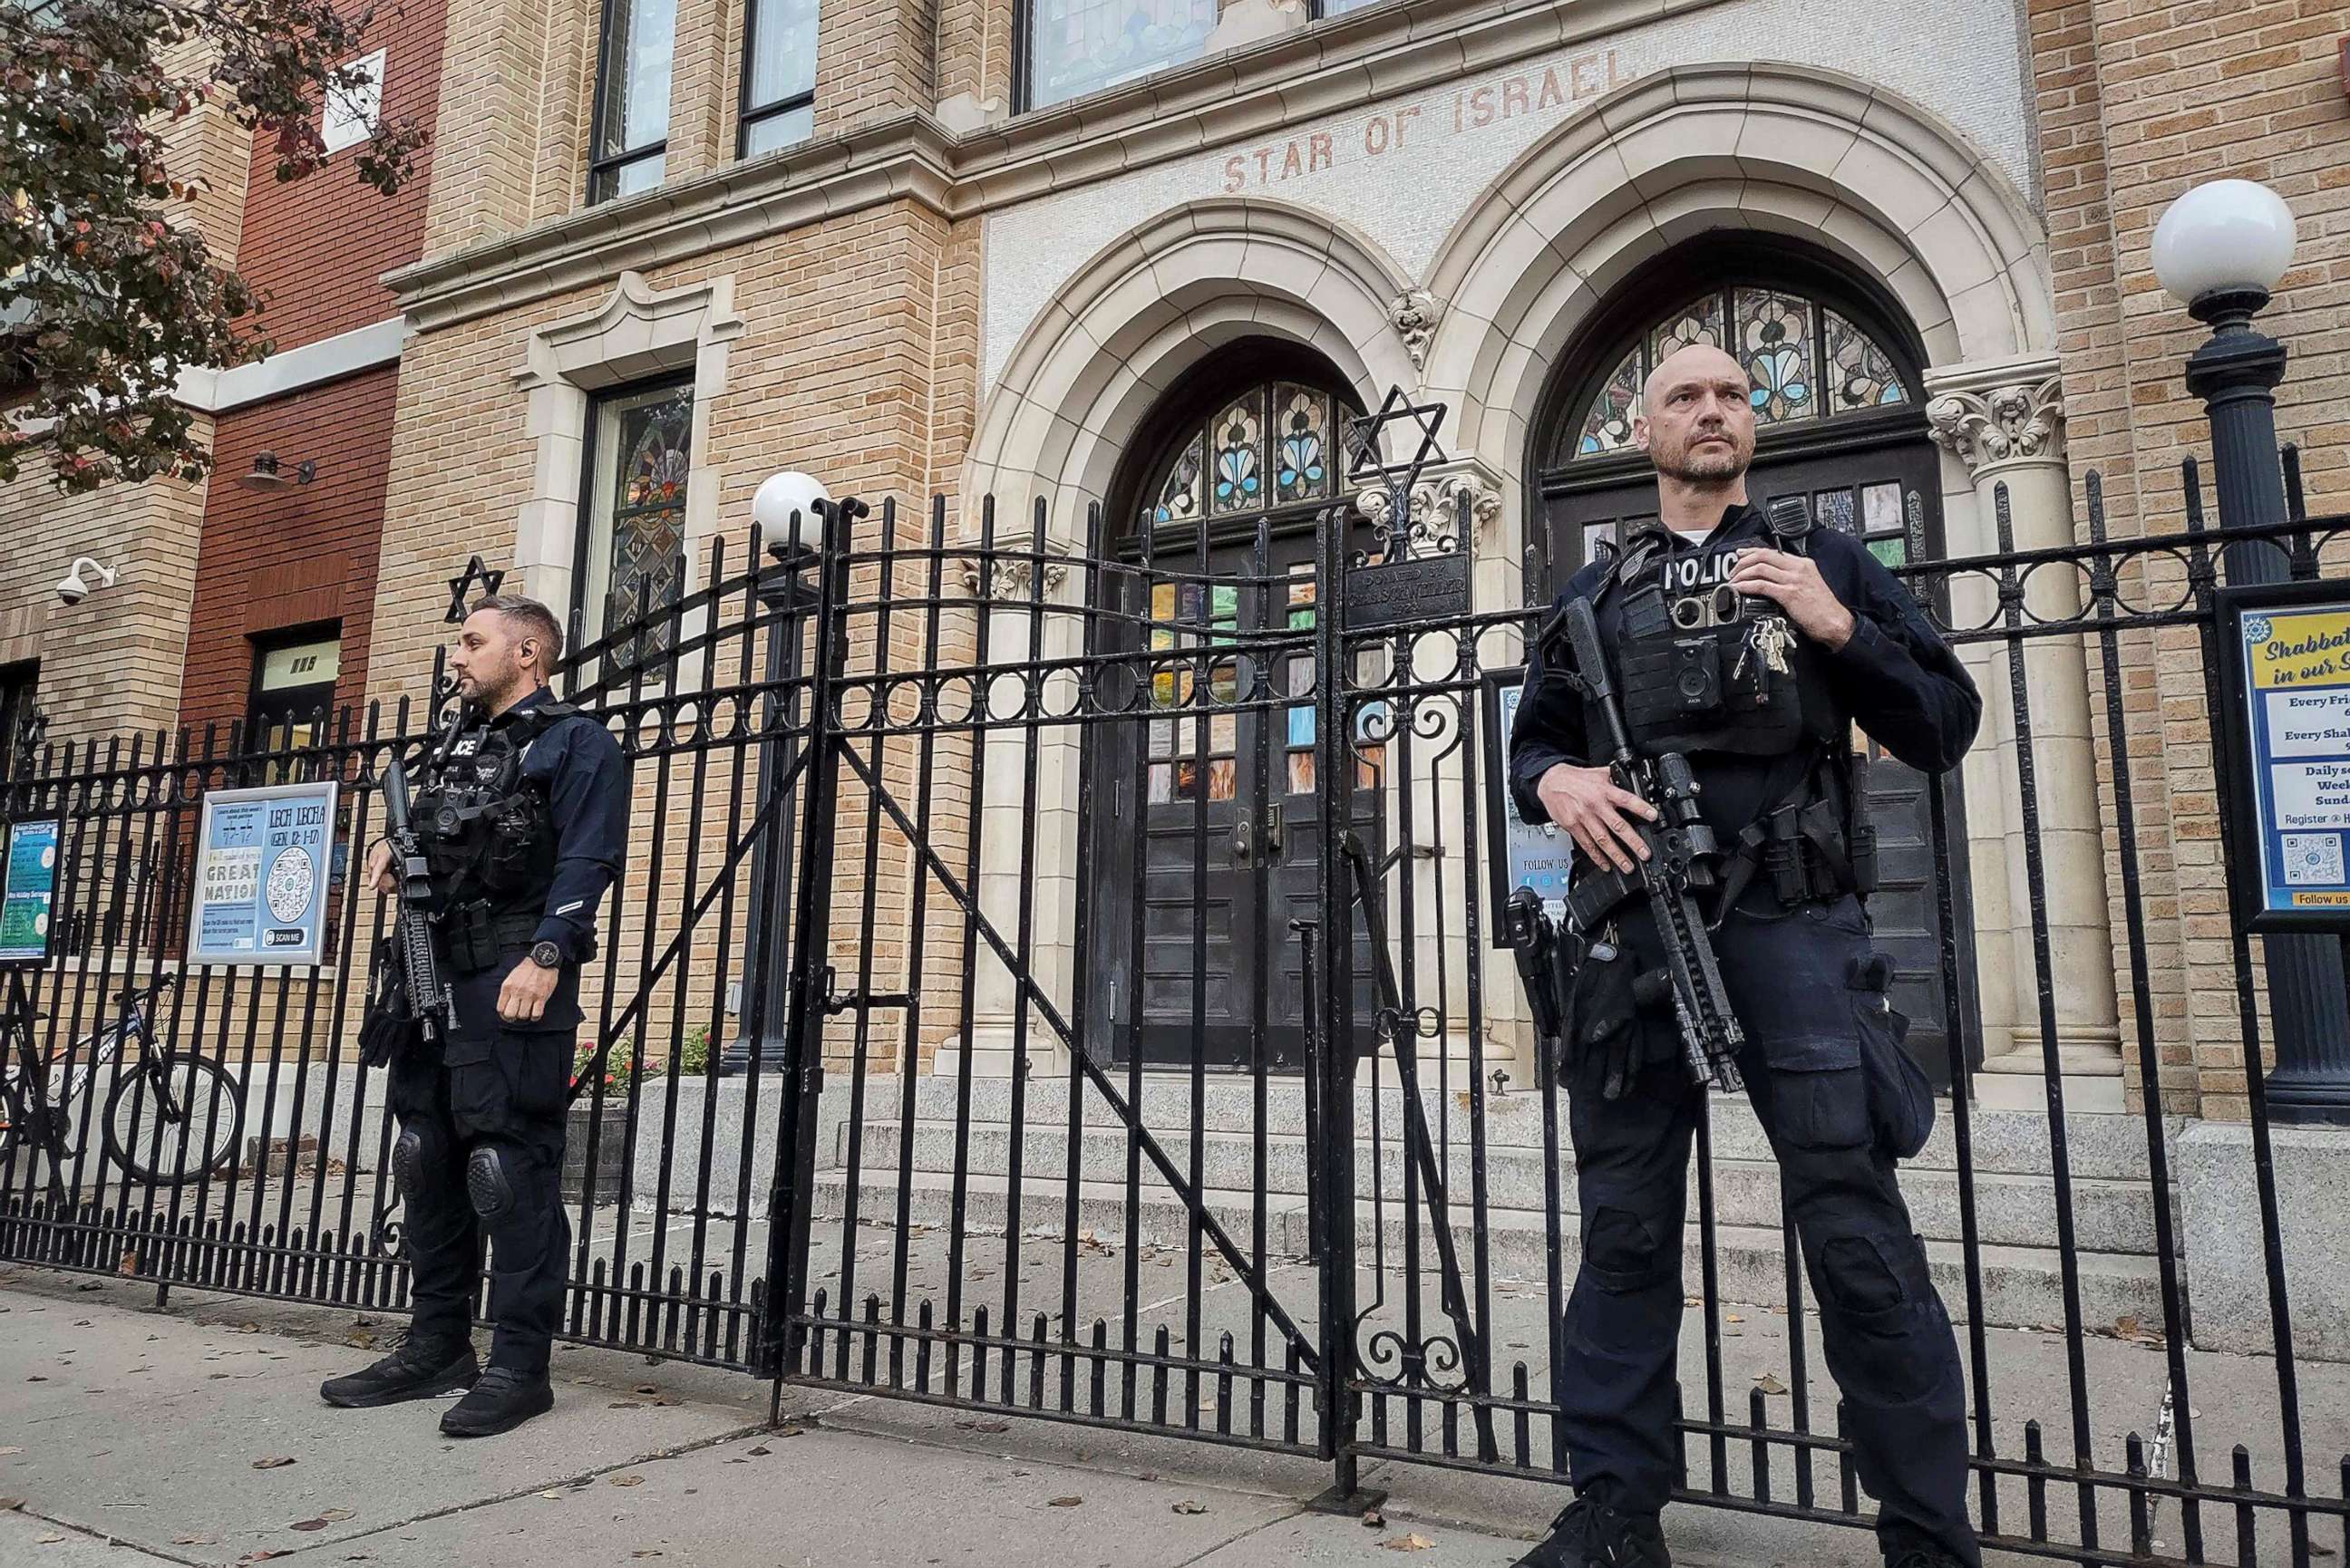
{"points": [[129, 1264], [1770, 1385], [623, 1405], [11, 1504], [51, 1539], [627, 1480], [307, 1525], [553, 1494], [1064, 1502], [1407, 1543], [272, 1462], [646, 1551], [336, 1515], [760, 1452], [647, 1388], [195, 1540], [1374, 1520], [1188, 1506], [11, 1451]]}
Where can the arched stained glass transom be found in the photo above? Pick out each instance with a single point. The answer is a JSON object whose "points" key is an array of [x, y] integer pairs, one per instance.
{"points": [[1806, 361], [1273, 445]]}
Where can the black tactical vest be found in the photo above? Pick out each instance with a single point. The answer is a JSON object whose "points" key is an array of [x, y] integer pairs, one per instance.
{"points": [[1702, 668], [488, 829]]}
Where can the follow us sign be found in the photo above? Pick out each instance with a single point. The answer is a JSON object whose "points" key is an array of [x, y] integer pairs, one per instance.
{"points": [[263, 860]]}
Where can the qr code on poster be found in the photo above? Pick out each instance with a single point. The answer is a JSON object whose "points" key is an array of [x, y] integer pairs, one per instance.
{"points": [[2312, 859]]}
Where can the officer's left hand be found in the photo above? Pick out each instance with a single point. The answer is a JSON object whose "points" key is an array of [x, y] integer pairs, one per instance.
{"points": [[1794, 584], [523, 998]]}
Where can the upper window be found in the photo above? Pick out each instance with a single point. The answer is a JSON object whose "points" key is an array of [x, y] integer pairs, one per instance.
{"points": [[1269, 447], [632, 70], [1077, 46], [1805, 360], [778, 74], [633, 552], [348, 116]]}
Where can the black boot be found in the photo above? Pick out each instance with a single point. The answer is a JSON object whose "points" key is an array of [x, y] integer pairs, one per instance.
{"points": [[1921, 1557], [1594, 1534], [417, 1369], [500, 1401]]}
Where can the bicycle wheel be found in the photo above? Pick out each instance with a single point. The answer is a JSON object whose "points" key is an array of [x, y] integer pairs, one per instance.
{"points": [[173, 1119]]}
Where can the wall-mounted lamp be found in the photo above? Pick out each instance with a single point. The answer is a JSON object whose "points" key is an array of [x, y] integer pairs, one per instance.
{"points": [[264, 475]]}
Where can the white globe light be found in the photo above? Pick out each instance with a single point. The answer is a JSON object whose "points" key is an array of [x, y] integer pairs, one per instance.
{"points": [[785, 508], [2223, 236]]}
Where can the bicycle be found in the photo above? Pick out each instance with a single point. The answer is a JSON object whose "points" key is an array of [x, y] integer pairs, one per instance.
{"points": [[170, 1117]]}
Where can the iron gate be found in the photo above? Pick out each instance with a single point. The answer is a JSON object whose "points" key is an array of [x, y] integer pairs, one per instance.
{"points": [[874, 1118]]}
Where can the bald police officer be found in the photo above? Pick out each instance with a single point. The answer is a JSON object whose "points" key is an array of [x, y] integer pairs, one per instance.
{"points": [[1751, 651], [521, 818]]}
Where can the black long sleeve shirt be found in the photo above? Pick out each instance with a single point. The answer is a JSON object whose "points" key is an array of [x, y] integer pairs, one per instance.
{"points": [[1895, 677], [586, 784]]}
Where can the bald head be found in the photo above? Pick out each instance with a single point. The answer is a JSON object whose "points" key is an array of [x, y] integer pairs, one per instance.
{"points": [[1696, 422], [1696, 364]]}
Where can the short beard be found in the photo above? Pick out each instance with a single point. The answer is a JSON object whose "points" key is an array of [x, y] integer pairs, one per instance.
{"points": [[1707, 469]]}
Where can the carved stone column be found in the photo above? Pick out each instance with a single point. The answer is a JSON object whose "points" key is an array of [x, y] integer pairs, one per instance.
{"points": [[2005, 424]]}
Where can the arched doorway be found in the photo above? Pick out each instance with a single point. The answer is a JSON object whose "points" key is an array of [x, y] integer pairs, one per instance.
{"points": [[1203, 835], [1839, 404]]}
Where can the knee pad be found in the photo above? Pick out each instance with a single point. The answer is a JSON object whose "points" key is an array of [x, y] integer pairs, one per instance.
{"points": [[487, 1185], [417, 1155]]}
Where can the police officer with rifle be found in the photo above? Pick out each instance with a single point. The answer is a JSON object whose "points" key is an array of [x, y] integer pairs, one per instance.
{"points": [[498, 864], [1686, 722]]}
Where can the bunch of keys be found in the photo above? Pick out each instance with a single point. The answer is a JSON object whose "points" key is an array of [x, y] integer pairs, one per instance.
{"points": [[1772, 639]]}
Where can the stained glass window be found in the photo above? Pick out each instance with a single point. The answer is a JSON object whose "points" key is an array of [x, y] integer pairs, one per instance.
{"points": [[1077, 46], [636, 548], [1186, 617], [1804, 361], [1607, 427], [1270, 446]]}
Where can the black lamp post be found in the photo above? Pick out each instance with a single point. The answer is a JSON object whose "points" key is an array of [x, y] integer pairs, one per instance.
{"points": [[785, 509], [2220, 248]]}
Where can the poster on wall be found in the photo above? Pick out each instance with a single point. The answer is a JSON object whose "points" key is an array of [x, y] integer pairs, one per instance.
{"points": [[263, 858], [1527, 856], [2286, 648], [28, 891]]}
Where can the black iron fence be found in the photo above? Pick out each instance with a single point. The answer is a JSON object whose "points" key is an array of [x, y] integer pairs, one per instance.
{"points": [[1058, 978]]}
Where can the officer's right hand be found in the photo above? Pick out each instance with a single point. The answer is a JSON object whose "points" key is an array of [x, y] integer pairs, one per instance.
{"points": [[1595, 813], [378, 869]]}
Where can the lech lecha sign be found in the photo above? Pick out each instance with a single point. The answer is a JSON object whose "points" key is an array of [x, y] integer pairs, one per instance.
{"points": [[2287, 652], [28, 889], [262, 864], [1528, 855]]}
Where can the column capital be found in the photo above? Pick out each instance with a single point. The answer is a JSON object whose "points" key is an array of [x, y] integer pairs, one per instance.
{"points": [[1994, 414]]}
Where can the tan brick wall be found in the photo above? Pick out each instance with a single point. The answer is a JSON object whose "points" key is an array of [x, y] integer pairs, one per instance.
{"points": [[974, 48], [858, 360], [2138, 101], [496, 78]]}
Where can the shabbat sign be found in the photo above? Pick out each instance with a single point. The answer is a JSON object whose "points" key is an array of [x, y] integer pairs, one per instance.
{"points": [[2293, 664]]}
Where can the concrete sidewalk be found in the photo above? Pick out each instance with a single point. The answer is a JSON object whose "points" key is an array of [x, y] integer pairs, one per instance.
{"points": [[195, 1435]]}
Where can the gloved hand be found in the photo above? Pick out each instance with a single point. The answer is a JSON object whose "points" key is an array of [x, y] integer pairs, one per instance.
{"points": [[386, 1029], [1603, 1039]]}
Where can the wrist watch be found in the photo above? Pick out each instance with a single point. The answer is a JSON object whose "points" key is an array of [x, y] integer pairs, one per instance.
{"points": [[546, 955]]}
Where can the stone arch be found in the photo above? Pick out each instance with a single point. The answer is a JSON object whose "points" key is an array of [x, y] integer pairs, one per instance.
{"points": [[1147, 307], [1889, 187]]}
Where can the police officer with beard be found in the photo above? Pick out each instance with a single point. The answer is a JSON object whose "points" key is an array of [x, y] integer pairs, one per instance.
{"points": [[1750, 648], [521, 817]]}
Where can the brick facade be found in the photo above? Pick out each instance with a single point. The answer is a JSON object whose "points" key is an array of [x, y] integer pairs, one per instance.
{"points": [[2137, 101], [292, 558]]}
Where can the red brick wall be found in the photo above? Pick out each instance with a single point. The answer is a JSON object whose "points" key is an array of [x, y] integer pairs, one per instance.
{"points": [[315, 248], [308, 552]]}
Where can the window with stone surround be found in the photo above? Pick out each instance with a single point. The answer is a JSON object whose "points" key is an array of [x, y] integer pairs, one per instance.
{"points": [[632, 540], [778, 106], [1805, 360], [1076, 46], [633, 54]]}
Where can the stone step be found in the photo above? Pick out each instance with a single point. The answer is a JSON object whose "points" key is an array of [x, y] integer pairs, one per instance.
{"points": [[2009, 1141], [2022, 1286], [2010, 1210]]}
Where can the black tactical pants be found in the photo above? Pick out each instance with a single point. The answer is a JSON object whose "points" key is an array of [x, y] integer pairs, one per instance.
{"points": [[1887, 1338], [495, 1095]]}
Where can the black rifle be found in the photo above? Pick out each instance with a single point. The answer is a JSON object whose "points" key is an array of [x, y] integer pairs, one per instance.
{"points": [[1680, 864], [431, 1001]]}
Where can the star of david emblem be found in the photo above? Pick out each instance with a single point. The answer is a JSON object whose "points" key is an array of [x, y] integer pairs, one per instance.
{"points": [[1366, 442], [462, 584]]}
